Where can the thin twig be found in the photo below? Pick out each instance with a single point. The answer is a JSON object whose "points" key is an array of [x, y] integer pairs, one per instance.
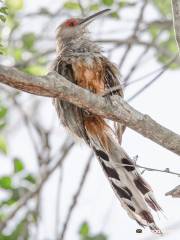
{"points": [[136, 28], [135, 65], [35, 57], [58, 201], [166, 170], [164, 69], [76, 197], [145, 76], [139, 59], [159, 70], [27, 123]]}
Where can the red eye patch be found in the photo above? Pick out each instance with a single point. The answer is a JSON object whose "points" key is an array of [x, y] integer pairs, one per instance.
{"points": [[71, 22]]}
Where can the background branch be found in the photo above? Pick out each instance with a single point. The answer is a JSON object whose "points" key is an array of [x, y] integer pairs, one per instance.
{"points": [[76, 197], [176, 20]]}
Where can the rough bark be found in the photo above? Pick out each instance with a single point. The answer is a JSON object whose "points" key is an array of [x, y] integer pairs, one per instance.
{"points": [[54, 85], [176, 20]]}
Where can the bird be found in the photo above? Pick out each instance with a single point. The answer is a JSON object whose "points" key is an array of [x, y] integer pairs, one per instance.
{"points": [[81, 61]]}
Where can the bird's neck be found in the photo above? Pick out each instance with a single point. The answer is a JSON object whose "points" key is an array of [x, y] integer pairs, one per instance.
{"points": [[77, 47]]}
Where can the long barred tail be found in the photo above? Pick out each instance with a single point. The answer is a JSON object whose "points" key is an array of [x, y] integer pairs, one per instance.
{"points": [[133, 192]]}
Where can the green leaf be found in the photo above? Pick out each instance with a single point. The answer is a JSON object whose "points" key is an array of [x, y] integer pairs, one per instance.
{"points": [[8, 202], [18, 165], [36, 70], [115, 15], [15, 4], [154, 31], [164, 7], [3, 111], [2, 216], [3, 145], [3, 237], [2, 125], [4, 10], [21, 231], [28, 40], [72, 5], [17, 53], [94, 7], [84, 230], [108, 2], [170, 45], [122, 4], [30, 178], [17, 193], [6, 182], [2, 18], [1, 49]]}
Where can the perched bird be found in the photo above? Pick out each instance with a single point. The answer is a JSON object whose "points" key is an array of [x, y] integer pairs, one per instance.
{"points": [[80, 60]]}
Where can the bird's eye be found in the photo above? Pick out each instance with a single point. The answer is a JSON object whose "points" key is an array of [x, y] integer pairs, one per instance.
{"points": [[71, 23]]}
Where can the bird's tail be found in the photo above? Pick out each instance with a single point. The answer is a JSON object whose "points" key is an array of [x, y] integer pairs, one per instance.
{"points": [[133, 192]]}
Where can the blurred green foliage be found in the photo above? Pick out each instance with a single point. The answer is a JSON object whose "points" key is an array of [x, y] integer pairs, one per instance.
{"points": [[22, 230], [167, 42], [72, 5], [15, 185], [3, 15], [3, 123], [85, 233], [18, 165], [164, 7], [108, 3]]}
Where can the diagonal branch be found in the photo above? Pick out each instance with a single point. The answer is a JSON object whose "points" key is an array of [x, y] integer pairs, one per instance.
{"points": [[55, 85]]}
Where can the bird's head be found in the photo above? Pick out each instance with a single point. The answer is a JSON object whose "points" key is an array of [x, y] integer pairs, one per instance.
{"points": [[76, 27]]}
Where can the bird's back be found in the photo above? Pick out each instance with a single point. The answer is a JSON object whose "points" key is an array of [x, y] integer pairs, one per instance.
{"points": [[93, 72]]}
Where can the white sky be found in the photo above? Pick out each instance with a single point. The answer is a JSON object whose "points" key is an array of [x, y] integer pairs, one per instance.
{"points": [[98, 204]]}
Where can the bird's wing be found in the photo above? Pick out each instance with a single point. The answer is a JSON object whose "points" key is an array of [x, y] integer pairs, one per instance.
{"points": [[71, 116], [112, 79]]}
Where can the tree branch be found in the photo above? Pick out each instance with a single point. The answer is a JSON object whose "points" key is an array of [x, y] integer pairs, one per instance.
{"points": [[166, 170], [176, 19], [55, 85]]}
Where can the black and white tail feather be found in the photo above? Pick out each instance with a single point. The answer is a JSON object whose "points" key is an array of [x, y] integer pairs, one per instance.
{"points": [[134, 194]]}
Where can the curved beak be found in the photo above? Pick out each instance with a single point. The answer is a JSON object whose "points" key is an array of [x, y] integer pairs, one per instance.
{"points": [[89, 19]]}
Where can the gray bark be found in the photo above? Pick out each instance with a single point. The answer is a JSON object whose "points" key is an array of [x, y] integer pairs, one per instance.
{"points": [[176, 20], [54, 85]]}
